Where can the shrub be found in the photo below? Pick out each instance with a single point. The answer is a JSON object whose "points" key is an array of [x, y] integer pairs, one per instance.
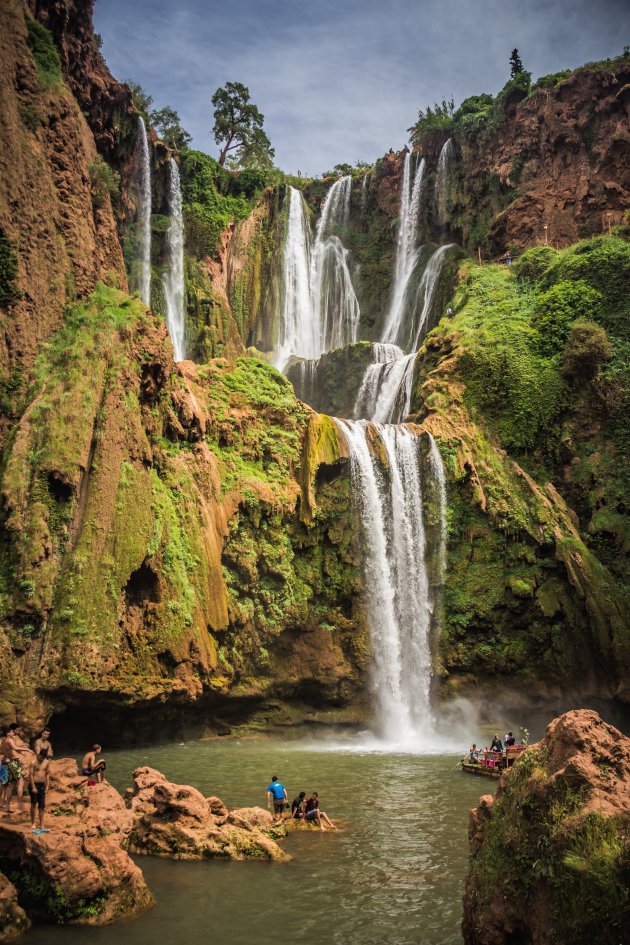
{"points": [[586, 350], [534, 263], [8, 272], [550, 81], [45, 54], [104, 180], [558, 307]]}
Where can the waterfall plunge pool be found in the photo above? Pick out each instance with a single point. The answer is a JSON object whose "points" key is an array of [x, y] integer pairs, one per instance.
{"points": [[394, 874]]}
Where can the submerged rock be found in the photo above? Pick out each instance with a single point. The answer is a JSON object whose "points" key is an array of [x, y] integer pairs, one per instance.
{"points": [[177, 821], [551, 854]]}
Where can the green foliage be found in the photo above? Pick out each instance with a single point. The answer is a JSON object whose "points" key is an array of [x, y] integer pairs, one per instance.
{"points": [[534, 263], [516, 64], [473, 115], [586, 350], [167, 123], [558, 307], [432, 121], [550, 81], [45, 54], [238, 127], [142, 100], [29, 116], [104, 180], [8, 272]]}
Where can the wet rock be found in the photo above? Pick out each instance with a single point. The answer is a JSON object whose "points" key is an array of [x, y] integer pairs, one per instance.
{"points": [[177, 821], [13, 919], [551, 853]]}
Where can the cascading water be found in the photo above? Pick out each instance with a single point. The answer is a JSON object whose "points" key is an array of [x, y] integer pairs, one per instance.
{"points": [[299, 329], [173, 278], [385, 392], [441, 180], [144, 213], [438, 476], [333, 298], [428, 287], [406, 252], [397, 583]]}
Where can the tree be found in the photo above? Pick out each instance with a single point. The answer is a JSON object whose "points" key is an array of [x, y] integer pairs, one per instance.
{"points": [[141, 99], [167, 123], [238, 127], [516, 64]]}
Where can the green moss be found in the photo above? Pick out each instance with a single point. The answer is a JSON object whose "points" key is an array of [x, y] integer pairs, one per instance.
{"points": [[8, 272], [45, 54]]}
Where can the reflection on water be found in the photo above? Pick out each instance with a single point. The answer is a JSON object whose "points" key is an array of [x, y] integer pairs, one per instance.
{"points": [[394, 875]]}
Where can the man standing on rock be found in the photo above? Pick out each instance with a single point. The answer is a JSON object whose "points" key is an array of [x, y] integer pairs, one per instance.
{"points": [[17, 771], [39, 780], [278, 793]]}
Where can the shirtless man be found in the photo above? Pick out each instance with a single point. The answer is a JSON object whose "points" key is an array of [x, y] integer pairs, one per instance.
{"points": [[313, 813], [43, 741], [17, 764], [91, 767], [39, 781]]}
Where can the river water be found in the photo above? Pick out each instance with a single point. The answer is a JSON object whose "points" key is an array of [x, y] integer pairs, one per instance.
{"points": [[394, 874]]}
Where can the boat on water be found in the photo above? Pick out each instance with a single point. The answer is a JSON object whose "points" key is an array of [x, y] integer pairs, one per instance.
{"points": [[492, 764]]}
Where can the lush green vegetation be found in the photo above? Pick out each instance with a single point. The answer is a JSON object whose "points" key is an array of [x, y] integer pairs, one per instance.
{"points": [[104, 180], [45, 54]]}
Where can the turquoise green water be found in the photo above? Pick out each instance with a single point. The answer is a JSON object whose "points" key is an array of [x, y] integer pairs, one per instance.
{"points": [[394, 875]]}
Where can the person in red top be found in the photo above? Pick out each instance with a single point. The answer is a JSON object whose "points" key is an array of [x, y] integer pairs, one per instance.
{"points": [[313, 813]]}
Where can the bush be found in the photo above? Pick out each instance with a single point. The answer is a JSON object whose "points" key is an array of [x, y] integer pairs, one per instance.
{"points": [[550, 81], [45, 54], [8, 272], [534, 263], [104, 180], [586, 350], [558, 307]]}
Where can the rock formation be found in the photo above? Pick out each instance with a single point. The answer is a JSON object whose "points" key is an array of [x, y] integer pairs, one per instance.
{"points": [[550, 855]]}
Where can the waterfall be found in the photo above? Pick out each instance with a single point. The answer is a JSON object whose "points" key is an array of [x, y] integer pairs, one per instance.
{"points": [[428, 287], [396, 579], [144, 213], [385, 392], [441, 180], [298, 331], [303, 375], [333, 298], [438, 474], [173, 278], [406, 253]]}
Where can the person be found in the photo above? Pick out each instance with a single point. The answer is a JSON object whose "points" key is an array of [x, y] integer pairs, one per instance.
{"points": [[508, 258], [39, 780], [17, 771], [496, 743], [510, 741], [93, 769], [297, 806], [278, 793], [314, 814], [474, 754], [449, 312], [43, 741]]}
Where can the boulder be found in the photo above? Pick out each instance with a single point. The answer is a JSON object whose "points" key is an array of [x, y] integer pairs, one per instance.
{"points": [[13, 919], [177, 821], [550, 860]]}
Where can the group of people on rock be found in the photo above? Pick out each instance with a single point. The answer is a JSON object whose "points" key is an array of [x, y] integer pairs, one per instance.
{"points": [[509, 741], [23, 766], [303, 808]]}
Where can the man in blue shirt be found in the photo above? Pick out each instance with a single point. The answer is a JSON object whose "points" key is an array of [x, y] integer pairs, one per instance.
{"points": [[277, 793]]}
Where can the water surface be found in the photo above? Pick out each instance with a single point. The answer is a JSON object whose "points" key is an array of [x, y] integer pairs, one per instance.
{"points": [[394, 875]]}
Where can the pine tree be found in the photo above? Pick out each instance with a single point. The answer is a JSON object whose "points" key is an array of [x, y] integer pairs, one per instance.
{"points": [[516, 64]]}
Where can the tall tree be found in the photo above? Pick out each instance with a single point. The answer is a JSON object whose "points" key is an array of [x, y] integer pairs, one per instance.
{"points": [[167, 123], [516, 64], [238, 127]]}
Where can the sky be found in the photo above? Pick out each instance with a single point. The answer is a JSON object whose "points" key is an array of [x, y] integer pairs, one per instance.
{"points": [[343, 81]]}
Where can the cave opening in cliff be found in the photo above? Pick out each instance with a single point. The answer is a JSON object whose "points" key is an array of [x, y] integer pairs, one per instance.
{"points": [[142, 587]]}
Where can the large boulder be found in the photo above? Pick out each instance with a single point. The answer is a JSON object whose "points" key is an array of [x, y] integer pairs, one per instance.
{"points": [[551, 853], [13, 919], [177, 821], [77, 872]]}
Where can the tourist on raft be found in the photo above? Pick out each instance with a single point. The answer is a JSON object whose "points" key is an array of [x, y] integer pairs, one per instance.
{"points": [[277, 793], [473, 755], [94, 770], [39, 781], [510, 741], [496, 744], [17, 766], [297, 806], [314, 814]]}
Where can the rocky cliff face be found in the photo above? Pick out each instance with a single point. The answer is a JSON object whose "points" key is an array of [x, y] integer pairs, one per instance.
{"points": [[550, 856]]}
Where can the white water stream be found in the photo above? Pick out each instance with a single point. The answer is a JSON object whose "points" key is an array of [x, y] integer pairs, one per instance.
{"points": [[144, 213], [173, 278], [441, 180]]}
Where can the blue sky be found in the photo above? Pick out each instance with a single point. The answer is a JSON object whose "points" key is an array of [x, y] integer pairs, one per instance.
{"points": [[342, 81]]}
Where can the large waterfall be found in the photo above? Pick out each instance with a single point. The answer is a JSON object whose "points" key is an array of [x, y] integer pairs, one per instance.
{"points": [[173, 278], [396, 578], [385, 392], [406, 253], [427, 288], [144, 213], [320, 310], [439, 478], [441, 180]]}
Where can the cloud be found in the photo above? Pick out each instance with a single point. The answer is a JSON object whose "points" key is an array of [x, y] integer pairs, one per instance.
{"points": [[343, 82]]}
